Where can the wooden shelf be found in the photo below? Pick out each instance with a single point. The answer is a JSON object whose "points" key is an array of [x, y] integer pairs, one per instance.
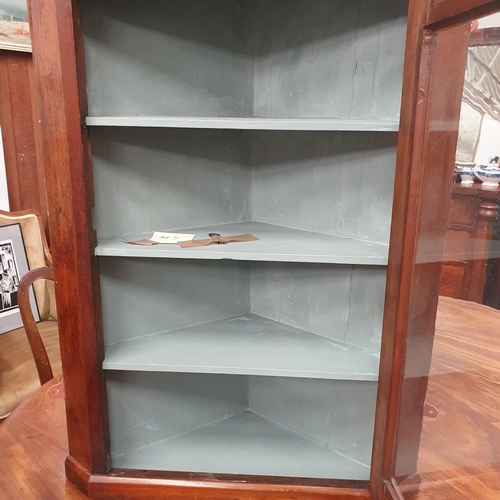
{"points": [[245, 345], [248, 123], [276, 244], [244, 444]]}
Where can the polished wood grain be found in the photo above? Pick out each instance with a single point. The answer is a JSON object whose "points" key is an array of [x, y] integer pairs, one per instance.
{"points": [[140, 485], [21, 134], [452, 279], [418, 233], [422, 193], [463, 386], [444, 13], [438, 146], [391, 360], [151, 489], [471, 217], [58, 62], [148, 485], [38, 349], [483, 485], [18, 375], [459, 455], [485, 37], [440, 97], [33, 441]]}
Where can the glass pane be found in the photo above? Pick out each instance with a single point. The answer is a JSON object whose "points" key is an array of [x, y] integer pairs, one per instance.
{"points": [[449, 433]]}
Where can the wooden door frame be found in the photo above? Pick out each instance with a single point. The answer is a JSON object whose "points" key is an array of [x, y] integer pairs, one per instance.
{"points": [[59, 68], [436, 52]]}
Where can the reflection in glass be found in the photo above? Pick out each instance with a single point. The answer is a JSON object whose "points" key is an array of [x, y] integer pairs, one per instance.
{"points": [[459, 449]]}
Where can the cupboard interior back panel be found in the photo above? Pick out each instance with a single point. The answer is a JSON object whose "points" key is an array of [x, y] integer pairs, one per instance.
{"points": [[241, 425], [333, 183], [230, 58], [144, 297]]}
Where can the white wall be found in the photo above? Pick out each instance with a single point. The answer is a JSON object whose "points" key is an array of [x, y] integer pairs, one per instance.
{"points": [[4, 196]]}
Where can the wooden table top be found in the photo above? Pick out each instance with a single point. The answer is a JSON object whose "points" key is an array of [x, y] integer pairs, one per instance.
{"points": [[17, 365], [459, 455], [34, 445]]}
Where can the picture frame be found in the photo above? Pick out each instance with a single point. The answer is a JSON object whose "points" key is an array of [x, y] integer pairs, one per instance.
{"points": [[13, 266], [14, 25]]}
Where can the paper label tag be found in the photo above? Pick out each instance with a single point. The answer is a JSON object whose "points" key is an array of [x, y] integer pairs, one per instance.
{"points": [[171, 237], [147, 243]]}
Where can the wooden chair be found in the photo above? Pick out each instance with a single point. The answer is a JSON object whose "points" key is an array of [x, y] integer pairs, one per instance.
{"points": [[28, 354]]}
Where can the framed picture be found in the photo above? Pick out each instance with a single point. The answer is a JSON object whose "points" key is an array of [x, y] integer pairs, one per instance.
{"points": [[14, 26], [13, 266]]}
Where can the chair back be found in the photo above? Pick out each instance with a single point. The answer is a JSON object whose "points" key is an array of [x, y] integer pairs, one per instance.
{"points": [[38, 349], [18, 378]]}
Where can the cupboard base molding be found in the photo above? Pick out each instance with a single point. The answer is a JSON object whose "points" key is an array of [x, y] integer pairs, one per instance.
{"points": [[132, 485], [392, 490], [78, 475]]}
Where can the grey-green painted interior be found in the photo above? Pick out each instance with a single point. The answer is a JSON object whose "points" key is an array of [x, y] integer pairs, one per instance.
{"points": [[263, 58], [239, 424], [275, 244], [248, 123], [148, 296], [273, 117], [336, 183], [244, 345]]}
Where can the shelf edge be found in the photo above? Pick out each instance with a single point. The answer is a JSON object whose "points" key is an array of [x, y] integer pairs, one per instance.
{"points": [[299, 124], [360, 377]]}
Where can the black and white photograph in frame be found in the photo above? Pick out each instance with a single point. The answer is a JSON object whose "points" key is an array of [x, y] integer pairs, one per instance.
{"points": [[13, 266], [9, 283]]}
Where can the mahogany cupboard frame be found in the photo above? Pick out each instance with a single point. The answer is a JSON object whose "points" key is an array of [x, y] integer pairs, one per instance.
{"points": [[437, 37]]}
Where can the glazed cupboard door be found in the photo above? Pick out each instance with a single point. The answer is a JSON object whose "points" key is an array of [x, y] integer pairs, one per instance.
{"points": [[407, 444]]}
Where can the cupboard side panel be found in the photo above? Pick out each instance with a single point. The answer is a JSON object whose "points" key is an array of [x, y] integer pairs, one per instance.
{"points": [[146, 296], [145, 408], [326, 59], [446, 74], [422, 192], [338, 183], [336, 414], [161, 179], [172, 58], [58, 63], [327, 300]]}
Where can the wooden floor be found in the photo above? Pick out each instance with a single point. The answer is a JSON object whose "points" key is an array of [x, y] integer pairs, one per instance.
{"points": [[459, 455]]}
